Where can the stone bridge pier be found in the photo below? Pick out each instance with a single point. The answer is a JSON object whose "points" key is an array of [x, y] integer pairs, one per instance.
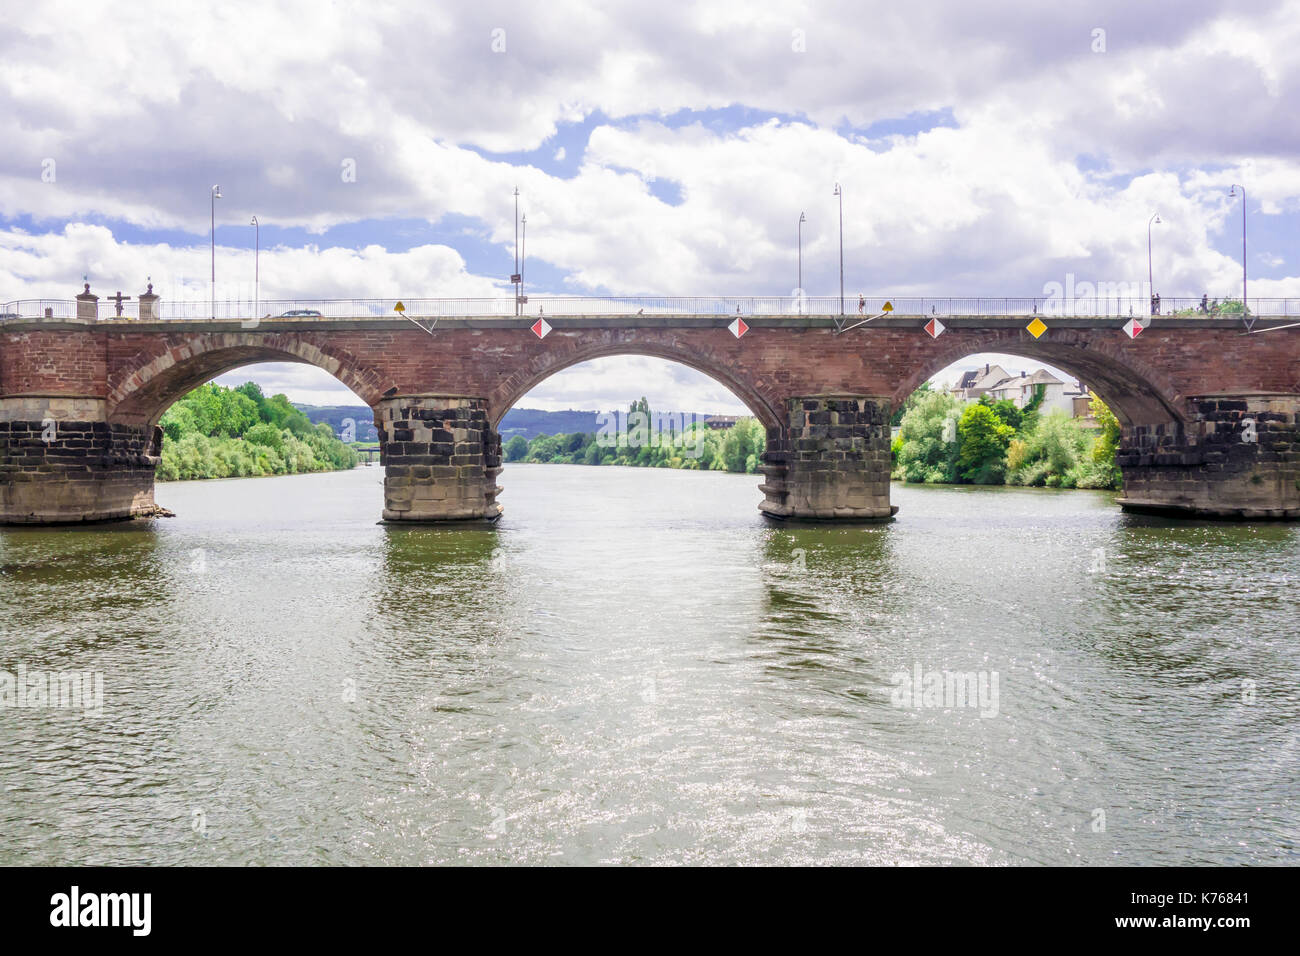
{"points": [[1238, 456], [61, 462], [829, 459], [441, 458]]}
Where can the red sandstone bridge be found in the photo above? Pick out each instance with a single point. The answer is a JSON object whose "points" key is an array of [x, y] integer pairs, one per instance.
{"points": [[1210, 411]]}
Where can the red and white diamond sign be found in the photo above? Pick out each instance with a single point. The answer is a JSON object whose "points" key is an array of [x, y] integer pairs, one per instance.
{"points": [[541, 328], [935, 328], [738, 327], [1133, 328]]}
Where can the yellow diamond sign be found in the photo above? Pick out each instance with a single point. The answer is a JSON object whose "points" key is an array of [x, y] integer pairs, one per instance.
{"points": [[887, 307], [1036, 327], [399, 308]]}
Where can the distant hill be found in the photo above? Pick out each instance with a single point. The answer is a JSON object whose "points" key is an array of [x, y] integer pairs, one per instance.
{"points": [[529, 422]]}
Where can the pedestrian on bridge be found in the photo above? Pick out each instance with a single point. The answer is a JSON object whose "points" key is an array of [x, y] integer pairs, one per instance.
{"points": [[862, 304]]}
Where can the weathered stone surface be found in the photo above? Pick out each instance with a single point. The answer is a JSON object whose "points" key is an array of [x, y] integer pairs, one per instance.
{"points": [[829, 461], [56, 471], [441, 459], [1238, 458]]}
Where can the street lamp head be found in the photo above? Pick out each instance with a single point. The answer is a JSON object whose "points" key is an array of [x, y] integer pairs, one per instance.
{"points": [[1158, 219], [837, 190], [216, 192], [1232, 191], [253, 221], [802, 218]]}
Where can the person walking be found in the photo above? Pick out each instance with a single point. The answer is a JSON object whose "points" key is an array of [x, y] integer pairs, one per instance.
{"points": [[862, 304]]}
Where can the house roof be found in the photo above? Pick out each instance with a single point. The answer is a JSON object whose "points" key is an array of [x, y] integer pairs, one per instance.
{"points": [[1041, 377], [981, 378]]}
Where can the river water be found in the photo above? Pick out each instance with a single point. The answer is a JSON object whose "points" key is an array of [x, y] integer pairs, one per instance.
{"points": [[633, 667]]}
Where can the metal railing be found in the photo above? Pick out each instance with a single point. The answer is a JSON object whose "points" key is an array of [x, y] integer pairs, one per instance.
{"points": [[504, 307]]}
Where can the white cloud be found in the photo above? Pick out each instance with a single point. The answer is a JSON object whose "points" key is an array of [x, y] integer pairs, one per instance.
{"points": [[50, 265], [272, 101]]}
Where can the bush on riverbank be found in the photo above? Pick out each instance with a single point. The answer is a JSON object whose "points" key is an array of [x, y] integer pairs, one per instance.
{"points": [[217, 432], [991, 443]]}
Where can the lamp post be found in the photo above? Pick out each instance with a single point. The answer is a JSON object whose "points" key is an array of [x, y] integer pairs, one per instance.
{"points": [[212, 289], [517, 284], [1151, 289], [1233, 192], [802, 219], [257, 251], [523, 258], [840, 193]]}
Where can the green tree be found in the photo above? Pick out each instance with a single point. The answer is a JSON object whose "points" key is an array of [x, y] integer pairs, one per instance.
{"points": [[266, 434], [984, 440], [897, 418], [516, 448], [928, 441], [742, 446], [1005, 409]]}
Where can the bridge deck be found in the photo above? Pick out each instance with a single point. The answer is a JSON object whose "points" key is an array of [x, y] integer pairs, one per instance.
{"points": [[623, 321]]}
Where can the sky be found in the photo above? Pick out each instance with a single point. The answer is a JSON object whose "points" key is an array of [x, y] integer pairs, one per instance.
{"points": [[983, 149]]}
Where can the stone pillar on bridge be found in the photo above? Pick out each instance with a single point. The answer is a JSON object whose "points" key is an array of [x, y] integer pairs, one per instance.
{"points": [[829, 460], [87, 305], [1239, 458], [148, 305], [61, 462], [441, 459]]}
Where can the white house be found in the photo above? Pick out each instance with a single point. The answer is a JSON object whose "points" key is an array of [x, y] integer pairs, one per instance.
{"points": [[998, 384], [973, 384]]}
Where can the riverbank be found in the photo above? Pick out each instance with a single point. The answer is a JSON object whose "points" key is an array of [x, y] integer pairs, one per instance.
{"points": [[217, 432]]}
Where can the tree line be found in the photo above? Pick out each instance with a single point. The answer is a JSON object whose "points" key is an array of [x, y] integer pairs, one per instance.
{"points": [[642, 440], [217, 432], [943, 440]]}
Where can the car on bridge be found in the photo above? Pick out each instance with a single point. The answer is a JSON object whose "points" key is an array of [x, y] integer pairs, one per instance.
{"points": [[299, 314]]}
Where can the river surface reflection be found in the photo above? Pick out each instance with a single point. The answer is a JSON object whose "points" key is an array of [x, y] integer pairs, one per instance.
{"points": [[633, 666]]}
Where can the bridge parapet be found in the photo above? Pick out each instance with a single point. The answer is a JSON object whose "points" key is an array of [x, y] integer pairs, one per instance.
{"points": [[1121, 307]]}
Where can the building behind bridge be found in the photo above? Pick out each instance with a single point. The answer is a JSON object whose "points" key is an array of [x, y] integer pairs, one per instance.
{"points": [[1019, 388]]}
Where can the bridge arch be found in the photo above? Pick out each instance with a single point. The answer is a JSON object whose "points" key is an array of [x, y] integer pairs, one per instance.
{"points": [[1137, 393], [144, 387], [762, 398]]}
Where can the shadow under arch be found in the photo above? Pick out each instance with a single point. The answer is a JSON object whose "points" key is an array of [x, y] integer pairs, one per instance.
{"points": [[1135, 392], [764, 408], [145, 387]]}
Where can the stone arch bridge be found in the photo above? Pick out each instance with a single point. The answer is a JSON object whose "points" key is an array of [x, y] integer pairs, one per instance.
{"points": [[1210, 415]]}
